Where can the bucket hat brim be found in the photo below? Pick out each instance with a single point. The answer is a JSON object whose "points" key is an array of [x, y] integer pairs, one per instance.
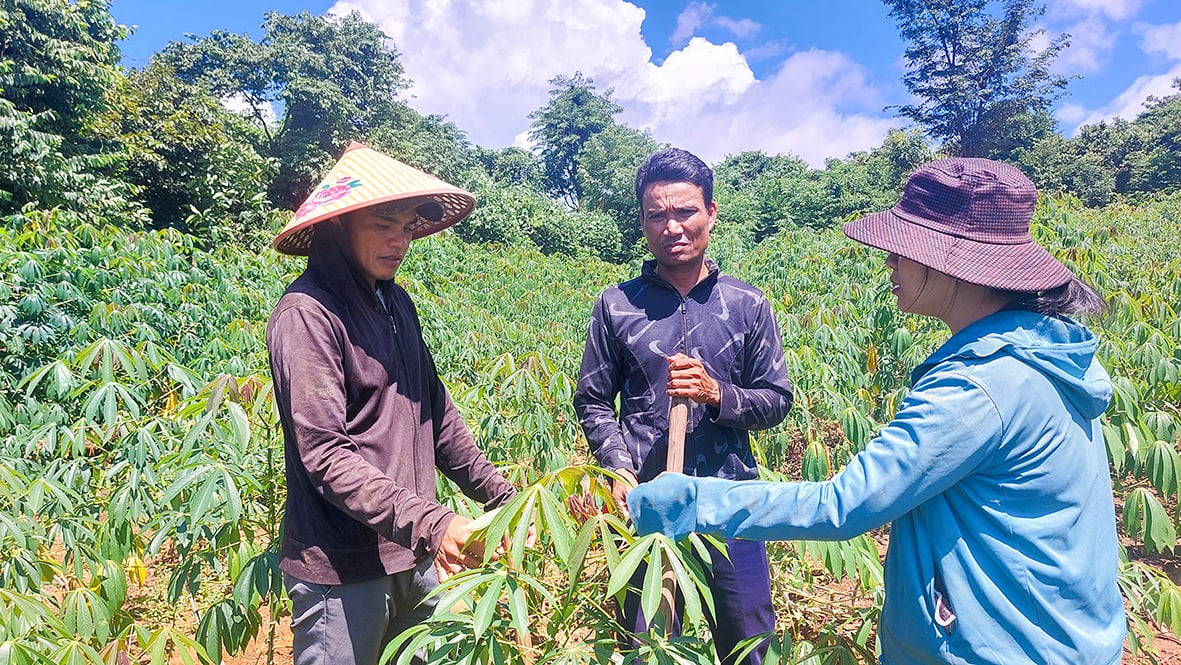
{"points": [[1025, 267], [967, 218]]}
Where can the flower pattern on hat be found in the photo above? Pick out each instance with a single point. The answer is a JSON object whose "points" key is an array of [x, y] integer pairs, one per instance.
{"points": [[328, 193]]}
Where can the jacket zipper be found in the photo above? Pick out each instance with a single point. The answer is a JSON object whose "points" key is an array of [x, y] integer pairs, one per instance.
{"points": [[684, 325]]}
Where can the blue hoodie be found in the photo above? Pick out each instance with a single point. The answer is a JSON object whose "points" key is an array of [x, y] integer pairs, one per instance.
{"points": [[994, 475]]}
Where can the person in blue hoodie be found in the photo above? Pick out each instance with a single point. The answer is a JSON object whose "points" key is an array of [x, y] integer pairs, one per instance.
{"points": [[993, 473]]}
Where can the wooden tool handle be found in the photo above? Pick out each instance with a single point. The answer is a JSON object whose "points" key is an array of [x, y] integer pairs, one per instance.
{"points": [[678, 419]]}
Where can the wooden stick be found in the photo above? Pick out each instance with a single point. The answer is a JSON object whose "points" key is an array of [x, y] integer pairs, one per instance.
{"points": [[678, 420]]}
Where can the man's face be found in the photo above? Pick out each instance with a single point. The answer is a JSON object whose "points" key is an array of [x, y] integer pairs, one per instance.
{"points": [[378, 244], [676, 222]]}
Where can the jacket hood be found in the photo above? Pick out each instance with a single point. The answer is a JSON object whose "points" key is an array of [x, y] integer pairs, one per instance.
{"points": [[331, 257], [1058, 347]]}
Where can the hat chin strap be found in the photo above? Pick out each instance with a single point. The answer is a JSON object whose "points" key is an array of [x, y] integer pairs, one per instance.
{"points": [[922, 287], [955, 293]]}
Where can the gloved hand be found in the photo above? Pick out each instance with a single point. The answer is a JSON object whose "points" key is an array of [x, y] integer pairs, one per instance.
{"points": [[677, 505], [666, 504]]}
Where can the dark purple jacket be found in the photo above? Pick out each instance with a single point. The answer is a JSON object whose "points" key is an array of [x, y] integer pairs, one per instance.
{"points": [[366, 422], [635, 326]]}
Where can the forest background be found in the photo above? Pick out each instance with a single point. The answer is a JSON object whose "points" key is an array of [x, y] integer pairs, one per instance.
{"points": [[139, 449]]}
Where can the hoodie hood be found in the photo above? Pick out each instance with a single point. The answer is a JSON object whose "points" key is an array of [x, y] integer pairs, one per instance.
{"points": [[332, 258], [1058, 347]]}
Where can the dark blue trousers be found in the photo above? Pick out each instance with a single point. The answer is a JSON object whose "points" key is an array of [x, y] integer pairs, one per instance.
{"points": [[741, 589]]}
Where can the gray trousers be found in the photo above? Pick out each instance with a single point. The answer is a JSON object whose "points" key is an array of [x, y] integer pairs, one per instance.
{"points": [[350, 624]]}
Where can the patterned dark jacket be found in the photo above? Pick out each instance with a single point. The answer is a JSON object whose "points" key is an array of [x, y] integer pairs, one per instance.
{"points": [[634, 327]]}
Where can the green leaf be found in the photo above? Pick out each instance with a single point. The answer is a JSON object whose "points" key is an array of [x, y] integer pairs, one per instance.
{"points": [[1168, 612], [59, 380], [653, 588], [518, 608], [486, 604], [1146, 519], [1116, 452], [80, 611], [74, 652], [816, 465], [621, 574], [240, 428], [1164, 468]]}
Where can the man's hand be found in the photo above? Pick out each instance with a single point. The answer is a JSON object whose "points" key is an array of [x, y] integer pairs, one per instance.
{"points": [[453, 556], [687, 378], [619, 489]]}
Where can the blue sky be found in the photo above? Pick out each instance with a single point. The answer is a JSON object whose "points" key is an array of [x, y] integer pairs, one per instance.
{"points": [[812, 79]]}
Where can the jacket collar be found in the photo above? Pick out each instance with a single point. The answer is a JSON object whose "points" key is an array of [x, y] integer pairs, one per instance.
{"points": [[648, 274]]}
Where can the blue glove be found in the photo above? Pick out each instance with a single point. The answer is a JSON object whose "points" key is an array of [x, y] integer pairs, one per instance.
{"points": [[678, 505], [666, 505]]}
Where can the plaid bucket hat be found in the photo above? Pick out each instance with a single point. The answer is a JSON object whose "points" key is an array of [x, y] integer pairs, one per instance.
{"points": [[362, 178], [969, 218]]}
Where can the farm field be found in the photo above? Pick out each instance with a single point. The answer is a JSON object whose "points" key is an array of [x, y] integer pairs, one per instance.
{"points": [[141, 460]]}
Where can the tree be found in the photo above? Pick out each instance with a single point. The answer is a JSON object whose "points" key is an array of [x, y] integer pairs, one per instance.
{"points": [[1058, 164], [1113, 157], [512, 166], [189, 158], [431, 143], [1159, 169], [561, 128], [334, 79], [58, 65], [983, 89], [606, 176], [755, 191]]}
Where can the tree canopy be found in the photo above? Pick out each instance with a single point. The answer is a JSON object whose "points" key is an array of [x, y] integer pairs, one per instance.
{"points": [[982, 88], [58, 66], [221, 135], [574, 114], [312, 84]]}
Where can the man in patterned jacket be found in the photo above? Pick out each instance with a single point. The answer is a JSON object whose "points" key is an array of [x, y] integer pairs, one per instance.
{"points": [[683, 329]]}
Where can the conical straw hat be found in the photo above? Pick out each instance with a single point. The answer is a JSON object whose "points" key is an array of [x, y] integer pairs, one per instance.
{"points": [[364, 177]]}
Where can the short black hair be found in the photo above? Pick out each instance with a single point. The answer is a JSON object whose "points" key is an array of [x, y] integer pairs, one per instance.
{"points": [[675, 165]]}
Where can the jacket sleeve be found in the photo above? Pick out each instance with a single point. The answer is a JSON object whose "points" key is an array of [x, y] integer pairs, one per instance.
{"points": [[307, 366], [945, 429], [763, 395], [458, 457], [599, 382]]}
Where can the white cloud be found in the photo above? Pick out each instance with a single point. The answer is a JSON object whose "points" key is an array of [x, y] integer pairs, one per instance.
{"points": [[486, 65], [701, 74], [1091, 42], [1162, 40], [766, 51], [1130, 102], [1116, 10], [800, 110], [1072, 114], [738, 27], [688, 21], [699, 14]]}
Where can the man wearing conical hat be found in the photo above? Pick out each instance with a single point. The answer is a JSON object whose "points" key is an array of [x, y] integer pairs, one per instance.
{"points": [[366, 420]]}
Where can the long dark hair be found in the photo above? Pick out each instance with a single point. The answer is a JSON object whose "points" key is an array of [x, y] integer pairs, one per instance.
{"points": [[1073, 298]]}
